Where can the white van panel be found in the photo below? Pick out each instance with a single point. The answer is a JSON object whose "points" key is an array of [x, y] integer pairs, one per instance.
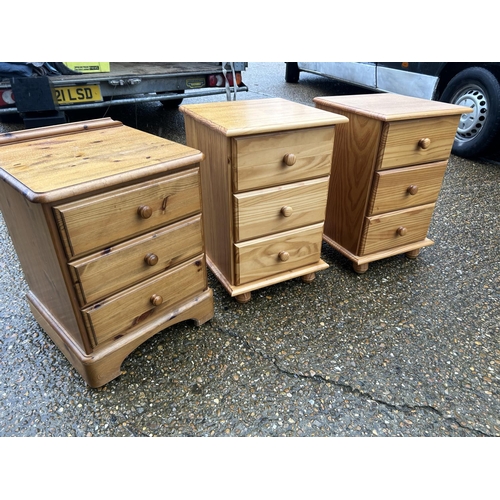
{"points": [[352, 72], [406, 83], [376, 77]]}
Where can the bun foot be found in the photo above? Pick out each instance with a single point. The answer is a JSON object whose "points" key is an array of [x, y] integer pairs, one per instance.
{"points": [[308, 278], [360, 268], [413, 254], [243, 298]]}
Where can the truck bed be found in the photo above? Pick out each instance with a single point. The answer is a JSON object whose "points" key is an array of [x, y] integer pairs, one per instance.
{"points": [[132, 82], [141, 69]]}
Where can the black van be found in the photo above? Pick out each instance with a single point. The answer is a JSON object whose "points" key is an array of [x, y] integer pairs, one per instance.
{"points": [[469, 84]]}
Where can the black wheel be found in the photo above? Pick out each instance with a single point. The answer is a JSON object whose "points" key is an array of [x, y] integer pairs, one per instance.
{"points": [[478, 89], [292, 72], [171, 103]]}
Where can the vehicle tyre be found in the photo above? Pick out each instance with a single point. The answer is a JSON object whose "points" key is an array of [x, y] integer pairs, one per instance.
{"points": [[171, 103], [292, 72], [478, 89]]}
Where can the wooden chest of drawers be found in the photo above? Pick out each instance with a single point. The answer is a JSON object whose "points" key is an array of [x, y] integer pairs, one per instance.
{"points": [[388, 165], [106, 222], [265, 183]]}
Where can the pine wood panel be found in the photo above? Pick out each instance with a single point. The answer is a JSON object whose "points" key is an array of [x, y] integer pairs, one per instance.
{"points": [[59, 166], [26, 135], [123, 265], [240, 118], [111, 176], [366, 259], [391, 188], [400, 141], [267, 211], [371, 173], [381, 231], [216, 193], [258, 161], [122, 313], [256, 154], [104, 363], [388, 107], [102, 220], [354, 156], [36, 250], [259, 258]]}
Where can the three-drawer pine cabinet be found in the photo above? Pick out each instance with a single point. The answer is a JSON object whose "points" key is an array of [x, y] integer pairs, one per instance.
{"points": [[388, 165], [265, 183], [107, 224]]}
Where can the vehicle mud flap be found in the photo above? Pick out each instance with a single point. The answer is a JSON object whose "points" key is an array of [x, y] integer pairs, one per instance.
{"points": [[36, 102]]}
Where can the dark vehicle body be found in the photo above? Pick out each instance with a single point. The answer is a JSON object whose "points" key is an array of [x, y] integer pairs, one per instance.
{"points": [[473, 84], [42, 92]]}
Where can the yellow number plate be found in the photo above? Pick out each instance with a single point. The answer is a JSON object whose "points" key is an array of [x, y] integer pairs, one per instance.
{"points": [[78, 94]]}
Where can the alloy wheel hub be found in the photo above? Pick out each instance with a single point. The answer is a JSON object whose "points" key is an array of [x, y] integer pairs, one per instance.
{"points": [[471, 123]]}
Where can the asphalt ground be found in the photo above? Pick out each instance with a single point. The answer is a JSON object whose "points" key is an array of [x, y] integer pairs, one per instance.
{"points": [[409, 349]]}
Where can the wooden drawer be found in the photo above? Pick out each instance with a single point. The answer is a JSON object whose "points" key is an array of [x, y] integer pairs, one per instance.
{"points": [[120, 266], [412, 142], [263, 257], [401, 188], [280, 158], [120, 314], [99, 221], [267, 211], [394, 229]]}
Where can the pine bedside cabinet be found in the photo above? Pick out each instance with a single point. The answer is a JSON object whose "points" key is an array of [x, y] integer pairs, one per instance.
{"points": [[388, 165], [265, 184], [106, 222]]}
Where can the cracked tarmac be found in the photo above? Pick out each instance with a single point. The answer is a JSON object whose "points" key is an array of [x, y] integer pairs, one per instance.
{"points": [[410, 348]]}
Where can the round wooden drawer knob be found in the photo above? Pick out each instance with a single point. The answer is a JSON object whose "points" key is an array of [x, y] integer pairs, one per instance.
{"points": [[412, 189], [151, 259], [155, 299], [286, 211], [283, 256], [402, 231], [145, 212], [289, 159], [424, 143]]}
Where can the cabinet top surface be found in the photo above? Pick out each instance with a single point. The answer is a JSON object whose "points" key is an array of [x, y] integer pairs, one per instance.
{"points": [[390, 107], [52, 163], [236, 118]]}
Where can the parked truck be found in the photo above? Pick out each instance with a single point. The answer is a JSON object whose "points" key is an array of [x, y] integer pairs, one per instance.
{"points": [[42, 92]]}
